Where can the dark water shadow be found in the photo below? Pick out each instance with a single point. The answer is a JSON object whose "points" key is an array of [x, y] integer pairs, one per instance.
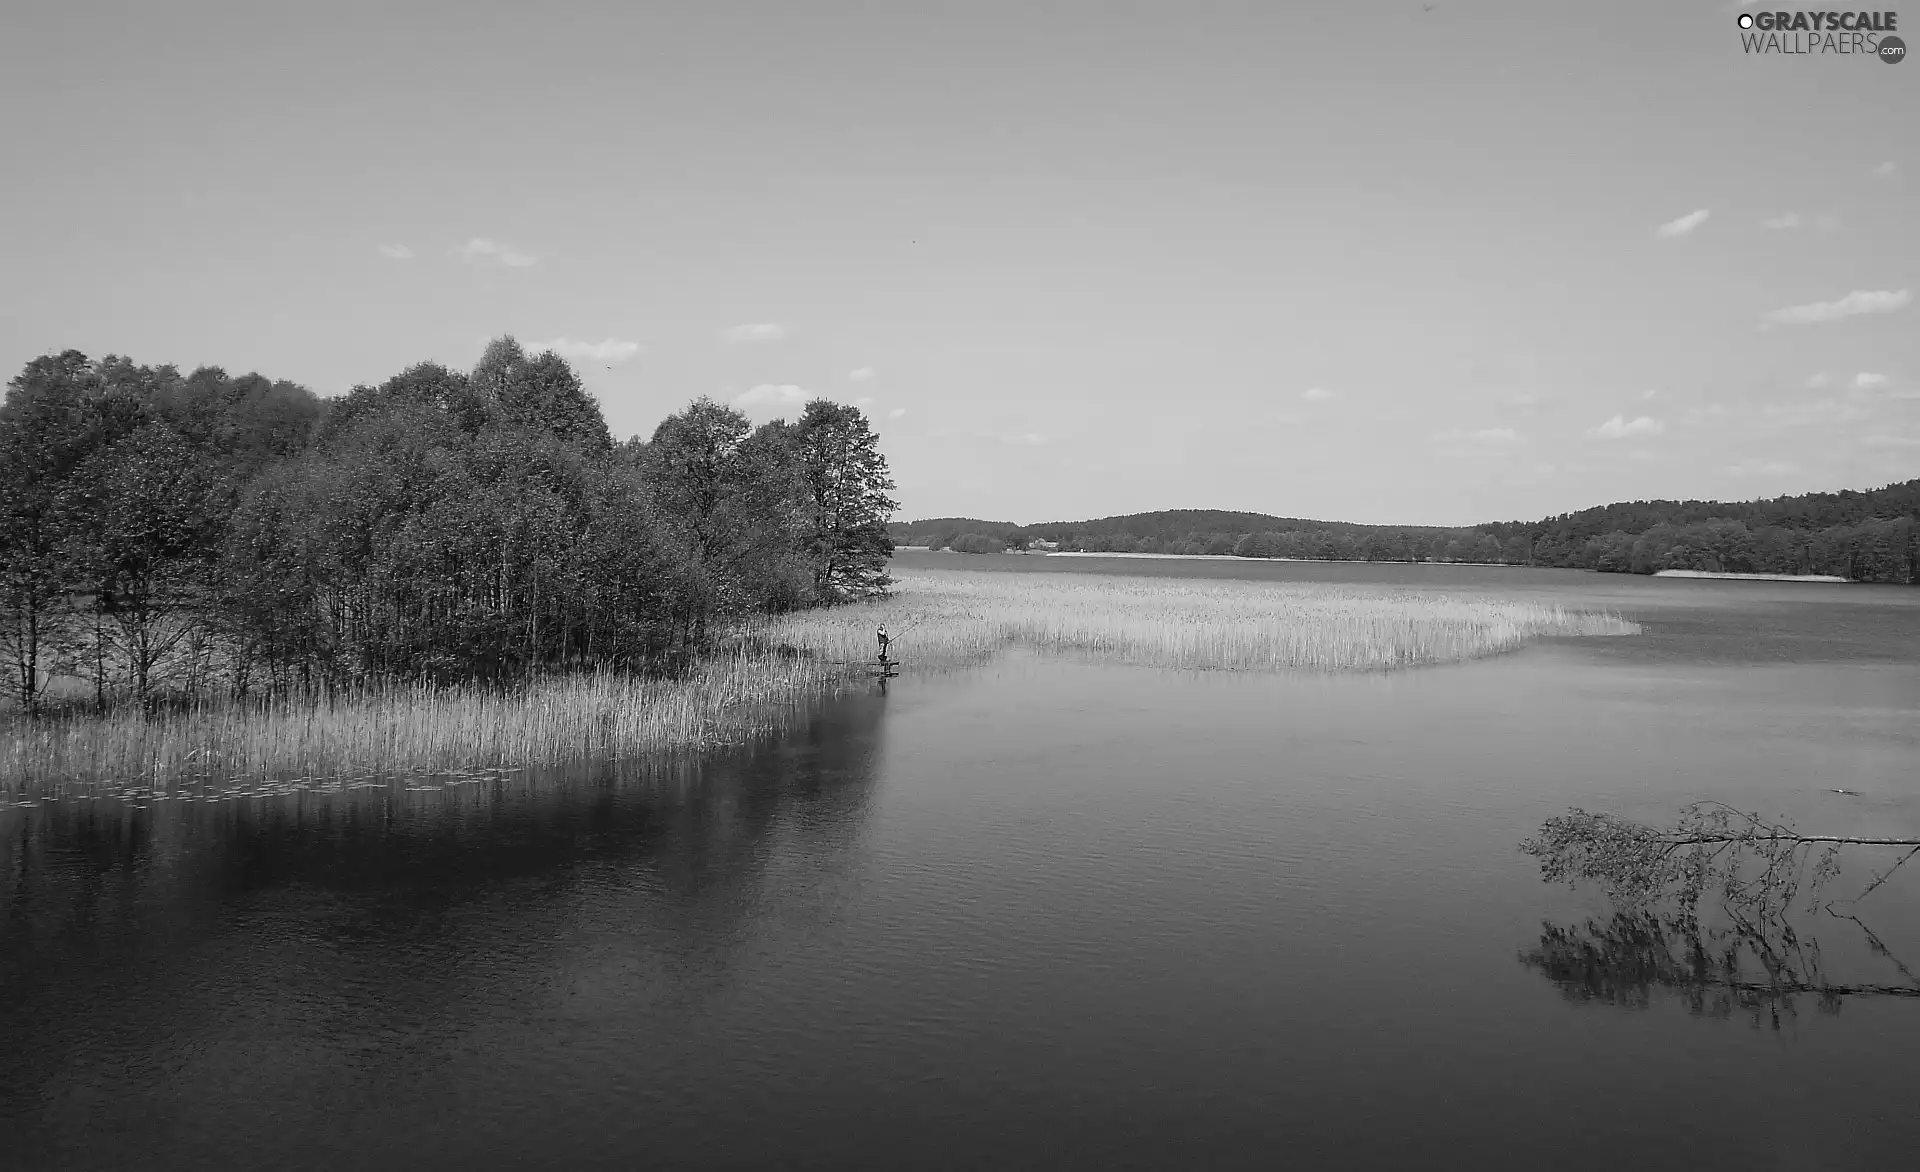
{"points": [[163, 970]]}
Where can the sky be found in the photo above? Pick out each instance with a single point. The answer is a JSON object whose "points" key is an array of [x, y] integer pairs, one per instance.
{"points": [[1374, 262]]}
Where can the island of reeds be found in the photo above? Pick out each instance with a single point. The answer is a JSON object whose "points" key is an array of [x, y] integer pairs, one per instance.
{"points": [[211, 579]]}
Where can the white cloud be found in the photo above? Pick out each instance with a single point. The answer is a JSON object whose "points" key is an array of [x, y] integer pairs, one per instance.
{"points": [[1857, 302], [1783, 221], [1886, 168], [779, 399], [767, 331], [1868, 378], [863, 401], [1027, 440], [1683, 225], [479, 251], [1891, 441], [396, 251], [1817, 381], [896, 413], [1316, 394], [864, 374], [1762, 468], [1650, 393], [1620, 427], [610, 350]]}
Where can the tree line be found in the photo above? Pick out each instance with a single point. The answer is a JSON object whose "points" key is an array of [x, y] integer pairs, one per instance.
{"points": [[164, 533], [1197, 531], [1869, 536]]}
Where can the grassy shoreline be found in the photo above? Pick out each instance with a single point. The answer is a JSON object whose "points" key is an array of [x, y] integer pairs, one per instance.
{"points": [[940, 618]]}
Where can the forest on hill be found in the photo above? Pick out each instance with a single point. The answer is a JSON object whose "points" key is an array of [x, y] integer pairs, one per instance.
{"points": [[1871, 536], [1205, 531], [209, 533]]}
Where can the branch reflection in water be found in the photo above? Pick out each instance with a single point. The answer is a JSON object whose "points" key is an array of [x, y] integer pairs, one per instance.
{"points": [[1760, 970]]}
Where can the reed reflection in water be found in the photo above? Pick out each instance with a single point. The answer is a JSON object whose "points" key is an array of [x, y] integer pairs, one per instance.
{"points": [[330, 960]]}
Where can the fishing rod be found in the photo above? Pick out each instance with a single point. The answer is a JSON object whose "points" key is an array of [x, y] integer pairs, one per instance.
{"points": [[891, 639]]}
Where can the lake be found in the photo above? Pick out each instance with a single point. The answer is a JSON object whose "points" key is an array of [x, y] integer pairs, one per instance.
{"points": [[1048, 913]]}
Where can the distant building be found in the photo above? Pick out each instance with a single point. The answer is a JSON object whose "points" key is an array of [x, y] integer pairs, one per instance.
{"points": [[1042, 545]]}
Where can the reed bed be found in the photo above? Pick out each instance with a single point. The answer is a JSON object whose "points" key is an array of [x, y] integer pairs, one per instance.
{"points": [[958, 616], [940, 618], [330, 737]]}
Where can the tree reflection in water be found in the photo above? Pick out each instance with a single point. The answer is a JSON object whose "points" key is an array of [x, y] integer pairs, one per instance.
{"points": [[1760, 971]]}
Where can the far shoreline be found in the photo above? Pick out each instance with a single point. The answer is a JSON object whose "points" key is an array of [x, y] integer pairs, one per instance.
{"points": [[1222, 557], [1828, 579]]}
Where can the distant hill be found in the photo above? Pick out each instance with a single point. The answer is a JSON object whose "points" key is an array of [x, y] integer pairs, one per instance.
{"points": [[942, 530], [1167, 525], [1174, 524], [1813, 510], [1869, 536], [1213, 531]]}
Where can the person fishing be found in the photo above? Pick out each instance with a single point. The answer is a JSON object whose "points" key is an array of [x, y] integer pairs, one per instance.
{"points": [[883, 642]]}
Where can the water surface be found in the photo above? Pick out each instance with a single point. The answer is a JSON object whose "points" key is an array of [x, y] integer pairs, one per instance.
{"points": [[1046, 914]]}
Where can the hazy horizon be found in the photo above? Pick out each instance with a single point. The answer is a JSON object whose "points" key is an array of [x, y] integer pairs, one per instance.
{"points": [[1386, 265]]}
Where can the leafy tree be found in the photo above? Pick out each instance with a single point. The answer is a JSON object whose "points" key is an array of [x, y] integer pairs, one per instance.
{"points": [[438, 525], [59, 410], [243, 423], [272, 576], [725, 500], [425, 385], [149, 526], [541, 391], [845, 485], [978, 543]]}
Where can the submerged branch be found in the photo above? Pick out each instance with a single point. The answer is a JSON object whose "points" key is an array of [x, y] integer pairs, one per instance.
{"points": [[1796, 839], [1756, 866]]}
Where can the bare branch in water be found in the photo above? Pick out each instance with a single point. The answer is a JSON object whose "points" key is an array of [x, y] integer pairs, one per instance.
{"points": [[1756, 866]]}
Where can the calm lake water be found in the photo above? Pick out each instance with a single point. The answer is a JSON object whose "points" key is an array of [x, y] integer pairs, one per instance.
{"points": [[1046, 914]]}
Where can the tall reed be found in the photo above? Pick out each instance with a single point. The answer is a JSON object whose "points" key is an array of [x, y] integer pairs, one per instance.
{"points": [[328, 735], [956, 616]]}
